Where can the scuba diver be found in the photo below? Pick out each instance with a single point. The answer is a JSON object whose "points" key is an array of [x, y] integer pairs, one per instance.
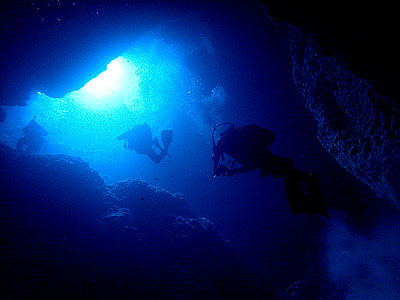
{"points": [[248, 147], [140, 139], [33, 137]]}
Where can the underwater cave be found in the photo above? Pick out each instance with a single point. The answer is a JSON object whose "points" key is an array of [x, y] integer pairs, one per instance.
{"points": [[85, 212]]}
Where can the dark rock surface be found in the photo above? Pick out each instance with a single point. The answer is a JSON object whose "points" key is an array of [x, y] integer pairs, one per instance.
{"points": [[362, 33], [345, 63], [65, 234], [313, 287]]}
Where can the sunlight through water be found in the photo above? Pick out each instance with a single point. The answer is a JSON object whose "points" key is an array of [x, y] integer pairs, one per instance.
{"points": [[149, 83], [112, 88]]}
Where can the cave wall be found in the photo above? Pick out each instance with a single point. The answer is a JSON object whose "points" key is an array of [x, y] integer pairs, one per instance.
{"points": [[344, 66], [357, 126], [65, 234]]}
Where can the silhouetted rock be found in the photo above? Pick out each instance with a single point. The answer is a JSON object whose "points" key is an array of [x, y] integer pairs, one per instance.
{"points": [[343, 70], [313, 287], [137, 194], [363, 34], [65, 234]]}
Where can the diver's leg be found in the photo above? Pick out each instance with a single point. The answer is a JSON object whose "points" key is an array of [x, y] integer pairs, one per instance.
{"points": [[295, 195], [290, 170], [314, 197], [157, 145], [157, 158], [310, 202], [166, 137], [280, 167], [242, 169]]}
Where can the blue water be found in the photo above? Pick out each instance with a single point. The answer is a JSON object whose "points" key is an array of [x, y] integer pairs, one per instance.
{"points": [[187, 71]]}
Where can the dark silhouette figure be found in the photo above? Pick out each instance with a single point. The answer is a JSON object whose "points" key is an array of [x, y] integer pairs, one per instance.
{"points": [[33, 137], [140, 139], [248, 146]]}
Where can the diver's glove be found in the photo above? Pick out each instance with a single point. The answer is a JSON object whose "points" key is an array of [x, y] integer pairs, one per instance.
{"points": [[221, 170]]}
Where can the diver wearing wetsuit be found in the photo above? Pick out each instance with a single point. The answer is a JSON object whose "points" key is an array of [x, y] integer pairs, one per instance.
{"points": [[248, 146], [140, 139]]}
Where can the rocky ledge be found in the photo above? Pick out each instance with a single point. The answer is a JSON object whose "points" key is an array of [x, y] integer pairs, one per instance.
{"points": [[65, 234]]}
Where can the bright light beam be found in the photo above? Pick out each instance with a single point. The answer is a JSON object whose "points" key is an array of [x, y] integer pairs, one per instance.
{"points": [[107, 82], [110, 88]]}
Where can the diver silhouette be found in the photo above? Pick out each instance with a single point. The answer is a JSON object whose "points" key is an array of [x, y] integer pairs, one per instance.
{"points": [[33, 137], [248, 147], [140, 139]]}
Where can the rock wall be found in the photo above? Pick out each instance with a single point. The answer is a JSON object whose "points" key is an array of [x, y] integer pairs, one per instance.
{"points": [[65, 234], [345, 82], [357, 126]]}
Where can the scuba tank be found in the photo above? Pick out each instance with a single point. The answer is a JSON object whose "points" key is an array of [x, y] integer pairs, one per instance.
{"points": [[213, 132], [229, 163]]}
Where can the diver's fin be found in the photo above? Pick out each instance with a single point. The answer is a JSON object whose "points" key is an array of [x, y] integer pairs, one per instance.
{"points": [[314, 197], [166, 138], [295, 195], [299, 202]]}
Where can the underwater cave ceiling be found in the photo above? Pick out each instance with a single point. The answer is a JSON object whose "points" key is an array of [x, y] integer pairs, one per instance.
{"points": [[57, 46], [37, 37], [345, 66]]}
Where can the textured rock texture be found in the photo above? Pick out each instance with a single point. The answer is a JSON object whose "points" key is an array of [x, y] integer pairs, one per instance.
{"points": [[346, 74], [65, 234], [357, 126], [312, 287]]}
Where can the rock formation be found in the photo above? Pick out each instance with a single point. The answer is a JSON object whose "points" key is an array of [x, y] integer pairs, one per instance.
{"points": [[347, 85], [65, 234]]}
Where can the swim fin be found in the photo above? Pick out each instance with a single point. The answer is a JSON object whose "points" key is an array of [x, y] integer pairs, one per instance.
{"points": [[314, 197], [299, 202], [295, 195]]}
